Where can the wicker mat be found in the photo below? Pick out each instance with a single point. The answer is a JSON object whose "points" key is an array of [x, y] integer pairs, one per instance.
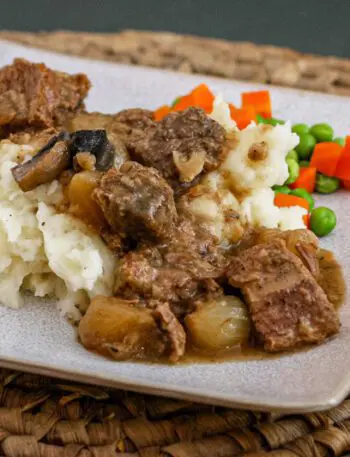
{"points": [[43, 417], [236, 60]]}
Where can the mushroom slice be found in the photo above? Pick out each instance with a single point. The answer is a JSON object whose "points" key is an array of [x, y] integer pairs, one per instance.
{"points": [[96, 142], [45, 166]]}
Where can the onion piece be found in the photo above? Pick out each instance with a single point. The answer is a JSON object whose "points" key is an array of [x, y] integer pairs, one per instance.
{"points": [[190, 168], [219, 323]]}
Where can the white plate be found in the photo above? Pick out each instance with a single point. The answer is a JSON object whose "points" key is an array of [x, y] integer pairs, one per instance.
{"points": [[36, 338]]}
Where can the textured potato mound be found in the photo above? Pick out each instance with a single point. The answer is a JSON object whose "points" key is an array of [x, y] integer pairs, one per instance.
{"points": [[44, 252]]}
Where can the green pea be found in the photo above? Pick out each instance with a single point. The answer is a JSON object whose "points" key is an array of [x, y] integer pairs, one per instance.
{"points": [[303, 193], [177, 99], [281, 189], [326, 184], [304, 163], [322, 132], [293, 155], [340, 140], [293, 169], [300, 129], [322, 221], [306, 145]]}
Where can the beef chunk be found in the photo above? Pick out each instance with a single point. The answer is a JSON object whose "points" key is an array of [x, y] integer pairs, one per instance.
{"points": [[32, 137], [181, 146], [137, 202], [287, 306], [174, 330], [303, 243], [135, 118], [33, 95], [126, 123], [179, 270]]}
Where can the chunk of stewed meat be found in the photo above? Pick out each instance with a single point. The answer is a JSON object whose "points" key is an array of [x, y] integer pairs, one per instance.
{"points": [[137, 202], [179, 270], [173, 329], [37, 139], [301, 242], [135, 118], [145, 273], [33, 95], [287, 306], [181, 146]]}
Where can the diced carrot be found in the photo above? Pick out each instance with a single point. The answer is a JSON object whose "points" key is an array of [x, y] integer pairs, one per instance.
{"points": [[260, 100], [306, 179], [343, 167], [306, 219], [346, 184], [185, 102], [325, 157], [161, 112], [287, 200], [203, 98], [242, 116]]}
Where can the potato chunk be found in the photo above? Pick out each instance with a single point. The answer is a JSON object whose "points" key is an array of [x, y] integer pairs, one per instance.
{"points": [[116, 327]]}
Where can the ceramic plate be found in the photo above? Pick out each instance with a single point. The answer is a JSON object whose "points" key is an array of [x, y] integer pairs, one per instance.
{"points": [[36, 337]]}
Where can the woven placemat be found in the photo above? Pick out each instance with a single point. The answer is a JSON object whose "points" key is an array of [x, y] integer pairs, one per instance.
{"points": [[44, 417], [190, 54]]}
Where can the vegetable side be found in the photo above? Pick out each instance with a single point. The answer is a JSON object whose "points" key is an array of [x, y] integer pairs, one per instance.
{"points": [[320, 163]]}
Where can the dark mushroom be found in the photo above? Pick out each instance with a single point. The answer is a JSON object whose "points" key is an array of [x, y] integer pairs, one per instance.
{"points": [[96, 142], [57, 155], [45, 166]]}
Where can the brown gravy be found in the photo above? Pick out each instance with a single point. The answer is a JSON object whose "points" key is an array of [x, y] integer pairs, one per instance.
{"points": [[331, 278]]}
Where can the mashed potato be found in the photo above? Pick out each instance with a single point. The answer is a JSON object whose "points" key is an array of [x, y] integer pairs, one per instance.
{"points": [[259, 210], [221, 114], [243, 183], [47, 253], [248, 171]]}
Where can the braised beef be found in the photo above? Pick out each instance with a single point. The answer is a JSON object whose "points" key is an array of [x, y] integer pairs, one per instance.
{"points": [[300, 242], [135, 118], [181, 146], [287, 306], [137, 202], [173, 329], [179, 270], [33, 137], [33, 95]]}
